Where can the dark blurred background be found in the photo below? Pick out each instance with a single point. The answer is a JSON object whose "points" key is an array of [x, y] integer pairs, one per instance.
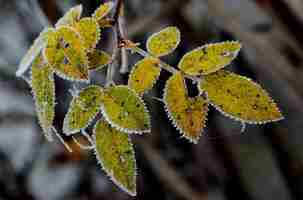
{"points": [[263, 163]]}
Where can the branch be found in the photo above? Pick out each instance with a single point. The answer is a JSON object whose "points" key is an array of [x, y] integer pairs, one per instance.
{"points": [[117, 37], [163, 65]]}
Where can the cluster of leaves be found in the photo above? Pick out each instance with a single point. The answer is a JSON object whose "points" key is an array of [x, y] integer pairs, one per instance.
{"points": [[69, 51]]}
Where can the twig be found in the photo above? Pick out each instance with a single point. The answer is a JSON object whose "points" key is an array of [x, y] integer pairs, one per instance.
{"points": [[163, 65], [117, 11], [82, 146], [117, 37], [61, 140], [111, 68], [124, 57], [89, 139]]}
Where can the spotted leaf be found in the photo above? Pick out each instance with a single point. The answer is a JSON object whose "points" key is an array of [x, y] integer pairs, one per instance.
{"points": [[71, 16], [103, 10], [124, 110], [115, 153], [164, 42], [65, 53], [240, 98], [144, 75], [98, 59], [83, 109], [34, 51], [43, 89], [89, 30], [188, 114], [209, 58]]}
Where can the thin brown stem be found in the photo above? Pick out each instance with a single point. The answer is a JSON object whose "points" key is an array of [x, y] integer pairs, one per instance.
{"points": [[163, 64], [117, 38], [117, 11]]}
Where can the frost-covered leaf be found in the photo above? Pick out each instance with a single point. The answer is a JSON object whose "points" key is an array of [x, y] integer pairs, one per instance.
{"points": [[209, 58], [115, 153], [89, 30], [71, 16], [103, 10], [83, 109], [65, 53], [164, 42], [188, 114], [33, 52], [144, 75], [240, 98], [43, 89], [124, 110], [98, 59]]}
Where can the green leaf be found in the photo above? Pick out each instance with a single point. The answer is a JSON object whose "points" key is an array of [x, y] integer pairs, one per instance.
{"points": [[144, 75], [189, 115], [103, 10], [89, 30], [43, 89], [115, 153], [65, 52], [71, 16], [209, 58], [98, 59], [83, 109], [240, 98], [34, 51], [164, 42], [124, 110]]}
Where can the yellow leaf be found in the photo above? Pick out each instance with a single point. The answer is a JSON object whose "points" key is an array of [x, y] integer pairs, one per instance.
{"points": [[240, 98], [188, 114], [71, 16], [124, 110], [103, 10], [98, 59], [115, 153], [209, 58], [65, 53], [144, 75], [83, 109], [89, 30], [34, 51], [164, 42], [43, 88]]}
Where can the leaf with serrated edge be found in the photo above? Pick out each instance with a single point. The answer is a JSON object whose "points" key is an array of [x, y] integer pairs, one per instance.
{"points": [[71, 16], [240, 98], [124, 110], [65, 53], [209, 58], [164, 42], [33, 52], [115, 154], [89, 30], [103, 10], [83, 109], [144, 75], [189, 115], [98, 59], [43, 89]]}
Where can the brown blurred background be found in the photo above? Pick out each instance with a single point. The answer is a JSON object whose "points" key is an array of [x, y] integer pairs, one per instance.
{"points": [[264, 163]]}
